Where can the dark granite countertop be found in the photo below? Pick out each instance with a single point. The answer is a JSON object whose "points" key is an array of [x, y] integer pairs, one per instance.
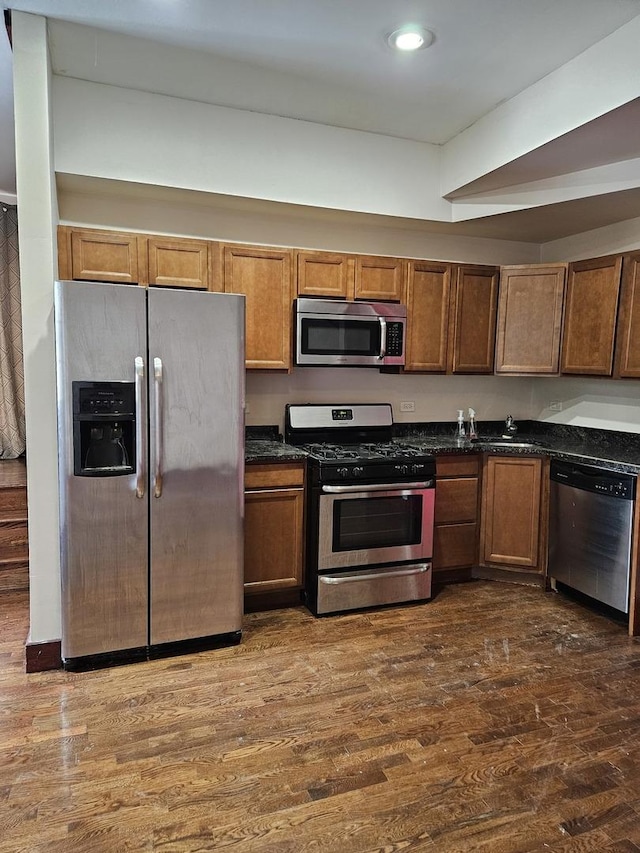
{"points": [[618, 451], [264, 444]]}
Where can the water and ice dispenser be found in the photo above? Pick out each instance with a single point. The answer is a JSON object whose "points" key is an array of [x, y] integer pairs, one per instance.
{"points": [[104, 429]]}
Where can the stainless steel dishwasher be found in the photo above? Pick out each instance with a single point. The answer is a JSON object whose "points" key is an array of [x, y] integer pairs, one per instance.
{"points": [[590, 524]]}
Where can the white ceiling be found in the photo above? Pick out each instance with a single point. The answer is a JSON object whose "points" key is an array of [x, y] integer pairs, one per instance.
{"points": [[327, 60]]}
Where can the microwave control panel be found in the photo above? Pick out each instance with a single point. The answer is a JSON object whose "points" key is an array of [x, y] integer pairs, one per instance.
{"points": [[394, 338]]}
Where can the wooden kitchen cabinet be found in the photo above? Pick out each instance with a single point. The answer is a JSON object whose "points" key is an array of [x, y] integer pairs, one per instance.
{"points": [[86, 254], [472, 319], [512, 519], [451, 317], [627, 357], [327, 274], [428, 293], [336, 275], [94, 255], [273, 527], [593, 290], [455, 535], [265, 277], [180, 263], [529, 326]]}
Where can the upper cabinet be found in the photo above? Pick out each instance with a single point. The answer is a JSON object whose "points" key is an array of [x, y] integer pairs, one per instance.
{"points": [[472, 320], [593, 290], [451, 317], [265, 277], [530, 319], [379, 278], [180, 263], [95, 255], [327, 274], [627, 358], [100, 256], [427, 298], [339, 276]]}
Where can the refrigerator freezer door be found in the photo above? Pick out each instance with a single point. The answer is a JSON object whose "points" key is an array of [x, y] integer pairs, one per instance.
{"points": [[100, 332], [196, 350]]}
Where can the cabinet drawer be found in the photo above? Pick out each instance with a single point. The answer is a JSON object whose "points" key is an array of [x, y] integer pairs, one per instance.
{"points": [[261, 475], [456, 500], [14, 540], [454, 546], [457, 466]]}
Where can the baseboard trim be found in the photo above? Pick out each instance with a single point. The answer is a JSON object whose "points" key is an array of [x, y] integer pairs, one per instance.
{"points": [[40, 657]]}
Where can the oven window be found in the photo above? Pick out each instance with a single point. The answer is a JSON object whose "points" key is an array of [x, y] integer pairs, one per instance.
{"points": [[377, 522], [340, 337]]}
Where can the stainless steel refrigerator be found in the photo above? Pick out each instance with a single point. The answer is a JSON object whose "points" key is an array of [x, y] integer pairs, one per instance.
{"points": [[151, 462]]}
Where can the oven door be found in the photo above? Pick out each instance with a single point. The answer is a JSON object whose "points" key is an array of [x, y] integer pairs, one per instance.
{"points": [[373, 525]]}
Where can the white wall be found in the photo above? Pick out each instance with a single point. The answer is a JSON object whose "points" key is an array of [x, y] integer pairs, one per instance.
{"points": [[111, 132], [37, 219], [612, 239], [436, 398], [599, 403]]}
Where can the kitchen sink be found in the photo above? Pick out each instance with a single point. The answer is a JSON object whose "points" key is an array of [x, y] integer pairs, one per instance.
{"points": [[508, 442]]}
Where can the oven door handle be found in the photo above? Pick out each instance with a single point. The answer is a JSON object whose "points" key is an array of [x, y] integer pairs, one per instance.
{"points": [[394, 573], [378, 487]]}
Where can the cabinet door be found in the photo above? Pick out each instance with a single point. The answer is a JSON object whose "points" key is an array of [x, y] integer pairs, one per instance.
{"points": [[530, 319], [273, 540], [627, 363], [105, 256], [327, 274], [265, 277], [379, 278], [473, 319], [593, 290], [455, 546], [428, 293], [511, 503], [178, 263]]}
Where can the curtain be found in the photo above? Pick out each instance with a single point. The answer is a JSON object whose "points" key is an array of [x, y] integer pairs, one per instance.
{"points": [[12, 431]]}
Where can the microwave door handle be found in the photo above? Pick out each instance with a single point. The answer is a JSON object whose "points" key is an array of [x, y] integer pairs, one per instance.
{"points": [[383, 337]]}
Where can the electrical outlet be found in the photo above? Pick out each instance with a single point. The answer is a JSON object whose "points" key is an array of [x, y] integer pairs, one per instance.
{"points": [[555, 406], [408, 406]]}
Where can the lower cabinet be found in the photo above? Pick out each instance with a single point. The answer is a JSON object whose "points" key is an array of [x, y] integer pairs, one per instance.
{"points": [[513, 534], [455, 536], [274, 527]]}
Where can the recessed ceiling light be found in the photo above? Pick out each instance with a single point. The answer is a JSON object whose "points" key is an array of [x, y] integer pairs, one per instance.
{"points": [[410, 37]]}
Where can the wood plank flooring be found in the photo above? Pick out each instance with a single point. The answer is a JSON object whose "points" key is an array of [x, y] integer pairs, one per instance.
{"points": [[495, 718]]}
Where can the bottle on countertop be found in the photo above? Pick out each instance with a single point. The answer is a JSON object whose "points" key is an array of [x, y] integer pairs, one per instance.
{"points": [[473, 429], [461, 435]]}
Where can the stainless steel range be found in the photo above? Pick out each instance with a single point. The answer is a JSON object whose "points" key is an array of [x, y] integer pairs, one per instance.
{"points": [[369, 508]]}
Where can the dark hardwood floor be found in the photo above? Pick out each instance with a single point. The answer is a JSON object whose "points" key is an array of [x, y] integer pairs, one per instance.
{"points": [[495, 718]]}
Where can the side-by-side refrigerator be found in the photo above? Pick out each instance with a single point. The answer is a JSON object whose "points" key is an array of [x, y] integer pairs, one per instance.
{"points": [[151, 460]]}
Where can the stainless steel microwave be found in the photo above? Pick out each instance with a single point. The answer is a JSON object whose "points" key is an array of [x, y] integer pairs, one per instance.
{"points": [[349, 334]]}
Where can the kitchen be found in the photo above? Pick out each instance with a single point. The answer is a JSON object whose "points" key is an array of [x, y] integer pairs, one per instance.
{"points": [[93, 190]]}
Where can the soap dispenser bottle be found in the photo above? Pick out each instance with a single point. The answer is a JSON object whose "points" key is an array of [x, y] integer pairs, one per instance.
{"points": [[473, 429], [461, 435]]}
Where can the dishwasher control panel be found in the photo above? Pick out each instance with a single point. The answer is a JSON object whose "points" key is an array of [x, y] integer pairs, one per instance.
{"points": [[597, 480]]}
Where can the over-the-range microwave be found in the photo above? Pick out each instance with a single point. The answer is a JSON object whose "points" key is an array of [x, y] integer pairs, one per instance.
{"points": [[349, 334]]}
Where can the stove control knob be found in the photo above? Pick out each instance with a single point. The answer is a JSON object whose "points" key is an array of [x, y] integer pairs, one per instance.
{"points": [[343, 472], [416, 469], [358, 471], [402, 469]]}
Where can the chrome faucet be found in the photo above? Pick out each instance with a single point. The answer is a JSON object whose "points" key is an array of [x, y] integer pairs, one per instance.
{"points": [[510, 428]]}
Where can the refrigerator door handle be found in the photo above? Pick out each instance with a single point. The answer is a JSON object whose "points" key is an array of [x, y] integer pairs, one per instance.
{"points": [[140, 427], [157, 474]]}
